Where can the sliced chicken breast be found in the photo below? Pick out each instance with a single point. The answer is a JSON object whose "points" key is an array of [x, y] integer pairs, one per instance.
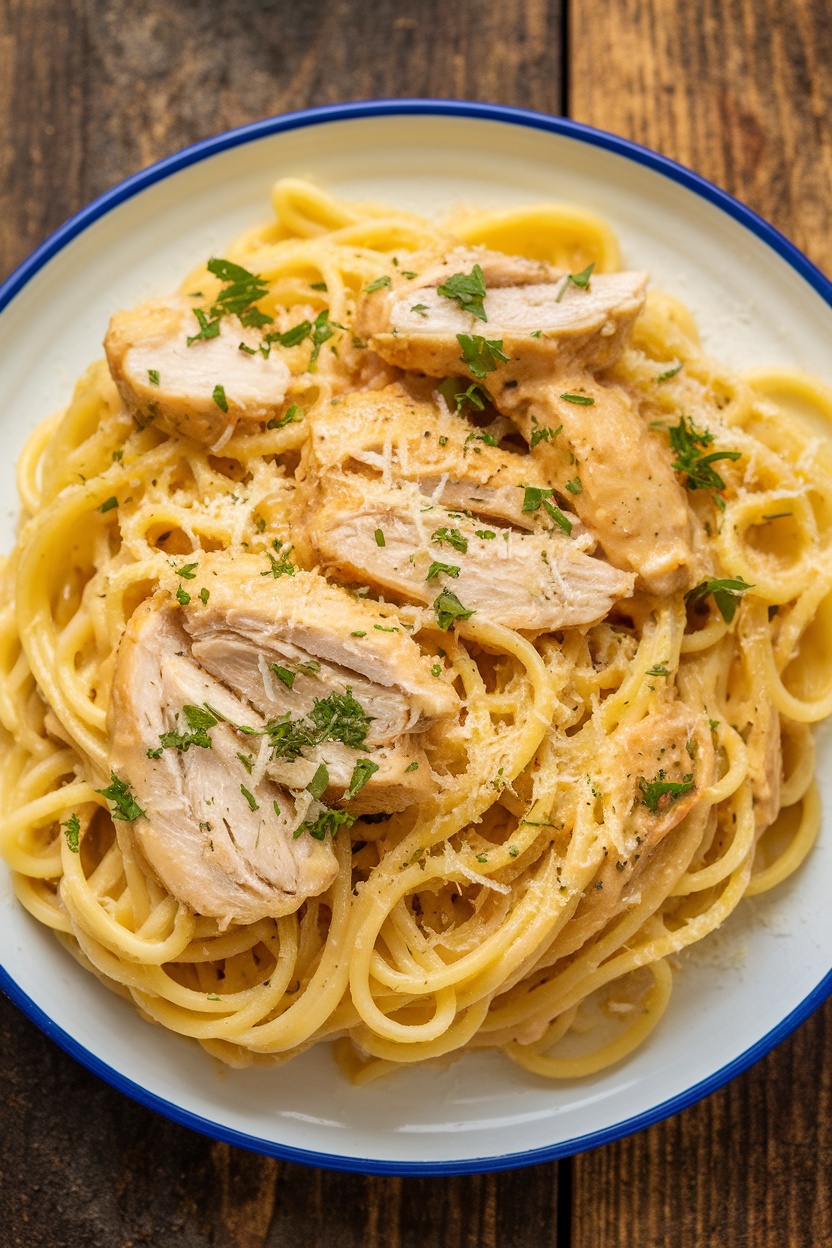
{"points": [[240, 720], [200, 390], [548, 338], [392, 538]]}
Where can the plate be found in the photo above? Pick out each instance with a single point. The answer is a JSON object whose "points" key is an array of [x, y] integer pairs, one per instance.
{"points": [[758, 302]]}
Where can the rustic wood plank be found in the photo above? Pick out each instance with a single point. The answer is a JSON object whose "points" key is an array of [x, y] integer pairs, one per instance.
{"points": [[90, 91], [81, 1165], [738, 90]]}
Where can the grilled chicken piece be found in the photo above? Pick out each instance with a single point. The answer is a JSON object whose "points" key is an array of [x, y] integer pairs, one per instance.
{"points": [[391, 538], [647, 531], [414, 327], [221, 818], [162, 379], [387, 433], [629, 497]]}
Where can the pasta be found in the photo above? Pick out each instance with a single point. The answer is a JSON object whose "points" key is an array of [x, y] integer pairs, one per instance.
{"points": [[584, 798]]}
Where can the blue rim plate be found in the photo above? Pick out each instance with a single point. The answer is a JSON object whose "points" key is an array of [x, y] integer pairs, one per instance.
{"points": [[758, 300]]}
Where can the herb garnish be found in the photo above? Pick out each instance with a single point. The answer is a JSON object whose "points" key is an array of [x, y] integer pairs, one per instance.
{"points": [[671, 372], [362, 772], [452, 537], [543, 433], [250, 798], [241, 291], [327, 821], [72, 832], [281, 566], [581, 280], [378, 284], [187, 571], [182, 596], [726, 594], [379, 536], [283, 674], [584, 400], [653, 792], [447, 569], [293, 414], [319, 783], [686, 439], [485, 534], [535, 497], [340, 718], [468, 290], [109, 504], [481, 355], [448, 608], [123, 804], [153, 376]]}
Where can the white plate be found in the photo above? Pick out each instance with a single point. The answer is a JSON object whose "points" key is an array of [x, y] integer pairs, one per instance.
{"points": [[757, 300]]}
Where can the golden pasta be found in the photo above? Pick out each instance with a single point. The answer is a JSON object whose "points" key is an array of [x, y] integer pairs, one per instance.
{"points": [[599, 735]]}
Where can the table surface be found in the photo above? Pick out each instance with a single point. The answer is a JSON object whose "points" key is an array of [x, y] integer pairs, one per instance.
{"points": [[92, 90]]}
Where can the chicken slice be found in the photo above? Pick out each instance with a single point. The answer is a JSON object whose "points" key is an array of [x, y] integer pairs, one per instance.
{"points": [[282, 678], [628, 494], [594, 438], [414, 327], [393, 433], [389, 537], [163, 379]]}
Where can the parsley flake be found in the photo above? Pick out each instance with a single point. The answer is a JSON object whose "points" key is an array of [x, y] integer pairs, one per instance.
{"points": [[182, 596], [327, 821], [671, 372], [378, 284], [293, 414], [283, 674], [654, 792], [362, 772], [584, 400], [726, 594], [486, 534], [446, 569], [218, 395], [122, 803], [153, 376], [581, 280], [451, 537], [109, 504], [535, 498], [250, 798], [468, 290], [319, 783], [379, 536], [72, 832], [481, 355], [448, 608]]}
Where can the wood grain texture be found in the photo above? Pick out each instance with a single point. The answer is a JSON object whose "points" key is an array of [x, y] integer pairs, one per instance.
{"points": [[741, 90], [92, 90]]}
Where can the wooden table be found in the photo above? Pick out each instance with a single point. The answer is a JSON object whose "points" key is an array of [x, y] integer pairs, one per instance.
{"points": [[92, 90]]}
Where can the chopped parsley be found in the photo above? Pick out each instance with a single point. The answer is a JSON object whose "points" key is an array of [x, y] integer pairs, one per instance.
{"points": [[204, 595], [543, 433], [283, 674], [122, 803], [486, 534], [109, 504], [319, 783], [581, 280], [414, 766], [481, 355], [421, 308], [293, 415], [446, 569], [452, 537], [584, 400], [182, 596], [288, 737], [359, 632], [247, 760], [482, 435], [340, 718], [327, 821], [218, 395], [240, 292], [187, 571], [468, 290], [117, 456], [448, 608], [321, 333], [379, 284], [198, 720], [317, 285], [688, 442], [281, 564], [658, 669], [574, 486], [362, 772], [671, 372], [653, 792], [379, 536], [726, 594], [535, 498], [72, 832], [250, 798], [475, 395], [153, 376]]}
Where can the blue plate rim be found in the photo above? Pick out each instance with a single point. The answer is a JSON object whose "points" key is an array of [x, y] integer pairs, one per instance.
{"points": [[326, 114]]}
